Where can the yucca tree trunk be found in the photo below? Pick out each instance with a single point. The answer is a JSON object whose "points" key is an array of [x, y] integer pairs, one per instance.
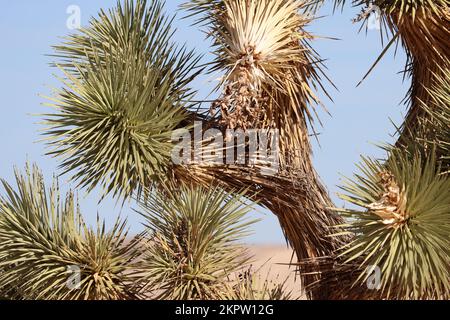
{"points": [[295, 195], [307, 221], [425, 38]]}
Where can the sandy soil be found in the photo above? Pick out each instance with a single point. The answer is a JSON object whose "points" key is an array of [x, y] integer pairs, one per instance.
{"points": [[273, 260]]}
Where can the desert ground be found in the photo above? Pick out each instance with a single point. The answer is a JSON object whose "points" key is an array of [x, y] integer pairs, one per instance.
{"points": [[273, 260]]}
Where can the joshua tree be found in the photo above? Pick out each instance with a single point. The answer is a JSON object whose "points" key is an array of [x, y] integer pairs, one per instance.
{"points": [[132, 93], [193, 245], [190, 249], [126, 92], [405, 226]]}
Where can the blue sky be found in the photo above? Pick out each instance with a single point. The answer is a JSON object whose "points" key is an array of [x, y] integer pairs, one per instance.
{"points": [[360, 117]]}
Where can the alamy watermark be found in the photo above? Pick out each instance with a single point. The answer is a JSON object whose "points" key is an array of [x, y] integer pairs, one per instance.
{"points": [[73, 22], [372, 15], [374, 277], [374, 19], [74, 280], [253, 147]]}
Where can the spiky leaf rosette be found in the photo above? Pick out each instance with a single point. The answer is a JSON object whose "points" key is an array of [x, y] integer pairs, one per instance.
{"points": [[259, 44], [47, 251], [194, 246], [125, 92], [270, 71], [403, 228]]}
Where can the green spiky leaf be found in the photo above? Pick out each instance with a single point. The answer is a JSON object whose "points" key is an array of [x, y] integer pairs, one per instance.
{"points": [[195, 235], [125, 92], [403, 226], [48, 252]]}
